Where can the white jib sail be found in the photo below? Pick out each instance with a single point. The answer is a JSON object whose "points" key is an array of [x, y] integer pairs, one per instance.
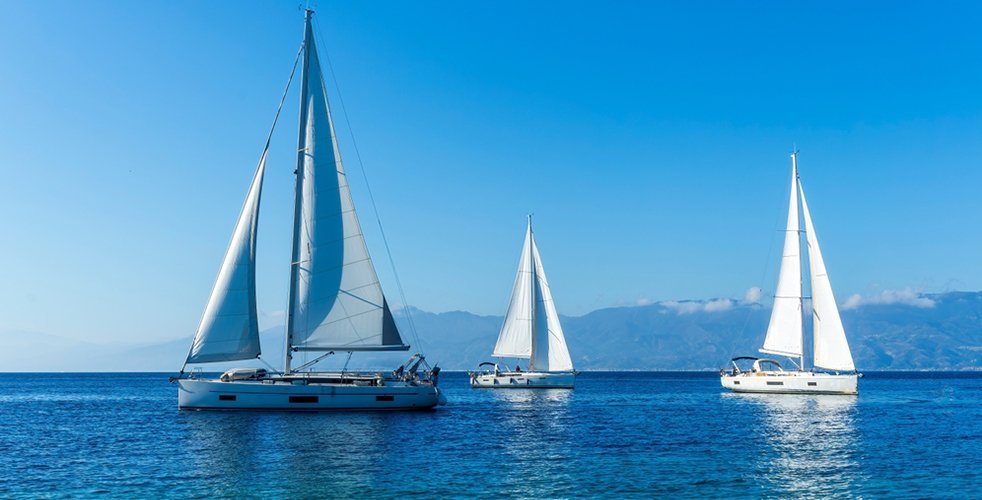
{"points": [[784, 333], [515, 338], [549, 351], [831, 347], [229, 328], [336, 299]]}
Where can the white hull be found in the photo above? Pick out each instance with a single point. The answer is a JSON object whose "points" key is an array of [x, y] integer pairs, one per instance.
{"points": [[523, 380], [791, 383], [287, 394]]}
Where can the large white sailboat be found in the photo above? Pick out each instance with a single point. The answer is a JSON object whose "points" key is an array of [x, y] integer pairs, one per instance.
{"points": [[336, 303], [531, 331], [785, 333]]}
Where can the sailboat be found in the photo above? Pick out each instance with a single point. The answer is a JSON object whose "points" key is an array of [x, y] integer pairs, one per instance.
{"points": [[531, 331], [785, 332], [336, 304]]}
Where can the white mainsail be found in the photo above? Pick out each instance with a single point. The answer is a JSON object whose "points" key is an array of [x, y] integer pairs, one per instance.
{"points": [[831, 347], [784, 333], [336, 301], [229, 328], [531, 329]]}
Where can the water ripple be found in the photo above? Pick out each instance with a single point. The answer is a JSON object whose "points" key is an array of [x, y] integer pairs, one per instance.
{"points": [[617, 434]]}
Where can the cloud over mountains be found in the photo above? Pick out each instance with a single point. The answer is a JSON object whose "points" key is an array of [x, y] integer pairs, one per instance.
{"points": [[906, 296], [696, 306]]}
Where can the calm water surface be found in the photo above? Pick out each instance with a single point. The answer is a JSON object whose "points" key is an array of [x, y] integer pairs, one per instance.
{"points": [[617, 434]]}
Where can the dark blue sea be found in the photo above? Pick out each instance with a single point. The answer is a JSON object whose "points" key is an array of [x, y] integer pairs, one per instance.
{"points": [[616, 434]]}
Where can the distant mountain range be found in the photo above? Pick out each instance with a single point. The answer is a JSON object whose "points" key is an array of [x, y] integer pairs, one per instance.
{"points": [[893, 331], [901, 332]]}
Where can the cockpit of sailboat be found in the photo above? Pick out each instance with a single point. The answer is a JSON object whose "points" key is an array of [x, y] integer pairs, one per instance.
{"points": [[759, 366]]}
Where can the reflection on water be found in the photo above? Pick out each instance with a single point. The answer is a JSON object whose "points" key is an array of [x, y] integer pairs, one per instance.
{"points": [[346, 450], [535, 429], [808, 443], [522, 397], [223, 450]]}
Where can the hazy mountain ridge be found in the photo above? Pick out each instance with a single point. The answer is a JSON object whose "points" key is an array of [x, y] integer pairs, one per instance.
{"points": [[929, 332]]}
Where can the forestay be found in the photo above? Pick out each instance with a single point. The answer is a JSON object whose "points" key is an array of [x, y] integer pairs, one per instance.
{"points": [[229, 328], [831, 347], [784, 332], [336, 301]]}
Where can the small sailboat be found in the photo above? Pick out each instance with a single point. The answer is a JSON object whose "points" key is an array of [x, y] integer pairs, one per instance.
{"points": [[531, 331], [785, 332], [336, 303]]}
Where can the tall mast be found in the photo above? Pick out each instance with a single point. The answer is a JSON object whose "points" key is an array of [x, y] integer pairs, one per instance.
{"points": [[801, 279], [532, 283], [298, 192]]}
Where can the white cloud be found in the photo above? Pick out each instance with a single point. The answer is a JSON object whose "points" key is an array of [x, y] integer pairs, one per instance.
{"points": [[642, 301], [855, 300], [907, 297], [753, 295], [685, 307], [693, 306], [718, 305]]}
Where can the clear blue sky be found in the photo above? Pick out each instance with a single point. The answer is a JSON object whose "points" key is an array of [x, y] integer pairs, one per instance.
{"points": [[650, 139]]}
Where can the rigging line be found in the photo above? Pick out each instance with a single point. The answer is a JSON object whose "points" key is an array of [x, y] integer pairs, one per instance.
{"points": [[343, 370], [262, 157], [371, 197], [763, 274], [286, 91], [315, 361], [274, 370]]}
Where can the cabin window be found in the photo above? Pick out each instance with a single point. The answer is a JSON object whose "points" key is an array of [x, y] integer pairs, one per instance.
{"points": [[226, 397], [736, 382], [813, 383], [775, 383], [385, 398], [303, 399]]}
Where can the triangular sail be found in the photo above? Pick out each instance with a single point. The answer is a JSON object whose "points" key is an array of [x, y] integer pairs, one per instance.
{"points": [[515, 338], [229, 328], [784, 333], [531, 329], [549, 351], [336, 301], [831, 347]]}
